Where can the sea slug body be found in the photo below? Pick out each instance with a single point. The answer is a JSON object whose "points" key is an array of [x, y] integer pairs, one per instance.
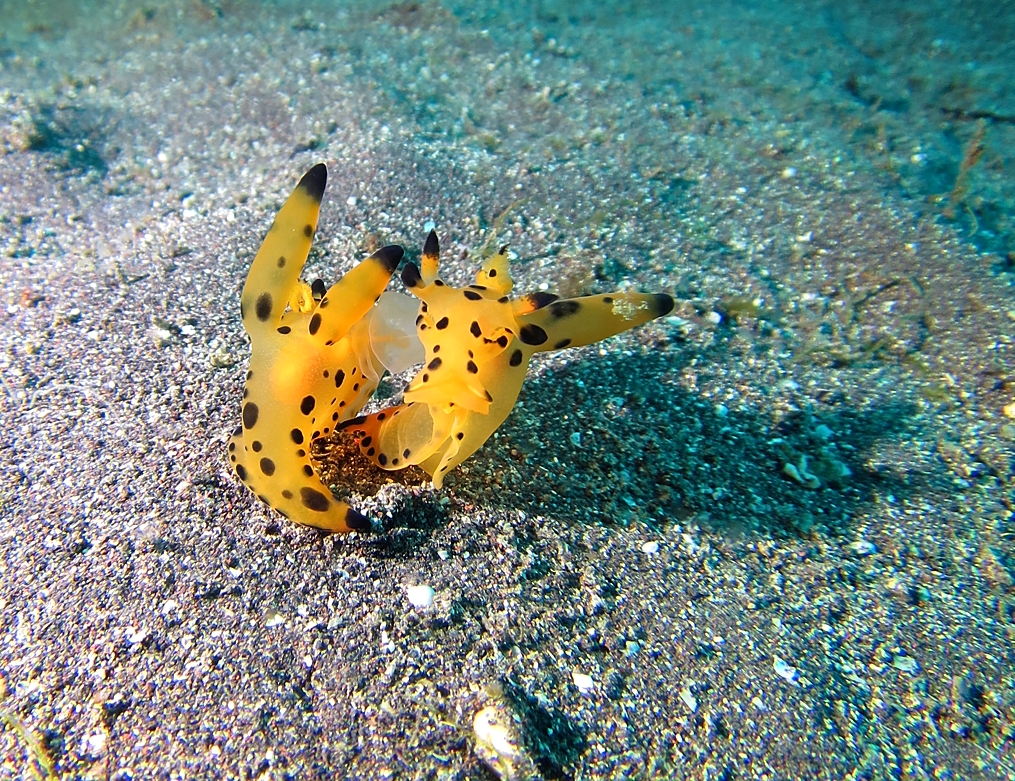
{"points": [[478, 343], [316, 357]]}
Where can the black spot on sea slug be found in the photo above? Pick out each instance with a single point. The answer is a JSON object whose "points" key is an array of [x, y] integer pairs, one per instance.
{"points": [[434, 364], [281, 261], [516, 358], [472, 295], [297, 436], [267, 466], [307, 405], [339, 378], [366, 441], [561, 344], [460, 435], [284, 329], [442, 324], [241, 472], [308, 230], [287, 494], [533, 334], [263, 307], [475, 330], [382, 459], [564, 308], [405, 453], [315, 323], [314, 500], [472, 368], [249, 415], [308, 470], [256, 446]]}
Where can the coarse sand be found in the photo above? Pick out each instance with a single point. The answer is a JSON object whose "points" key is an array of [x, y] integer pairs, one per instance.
{"points": [[770, 536]]}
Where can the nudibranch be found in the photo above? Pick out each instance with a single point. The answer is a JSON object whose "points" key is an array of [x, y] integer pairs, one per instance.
{"points": [[316, 357], [478, 344]]}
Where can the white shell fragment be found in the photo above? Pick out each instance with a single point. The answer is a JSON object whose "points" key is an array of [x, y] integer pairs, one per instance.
{"points": [[784, 670], [905, 663], [420, 596], [499, 743], [584, 682], [687, 697]]}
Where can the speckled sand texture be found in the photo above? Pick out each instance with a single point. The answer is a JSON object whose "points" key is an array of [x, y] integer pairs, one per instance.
{"points": [[768, 537]]}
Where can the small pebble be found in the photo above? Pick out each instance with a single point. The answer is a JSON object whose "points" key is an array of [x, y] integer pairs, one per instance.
{"points": [[650, 547], [784, 670], [420, 596], [584, 682], [688, 698], [905, 663]]}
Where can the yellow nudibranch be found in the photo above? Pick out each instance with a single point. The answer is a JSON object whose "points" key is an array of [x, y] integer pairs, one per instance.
{"points": [[316, 357], [478, 344]]}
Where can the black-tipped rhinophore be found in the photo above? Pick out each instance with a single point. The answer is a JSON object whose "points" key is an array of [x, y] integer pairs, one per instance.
{"points": [[390, 256], [314, 181], [356, 521], [539, 299], [664, 304], [432, 246], [410, 274]]}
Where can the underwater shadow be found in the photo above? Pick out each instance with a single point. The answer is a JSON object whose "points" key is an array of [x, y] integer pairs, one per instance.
{"points": [[620, 441]]}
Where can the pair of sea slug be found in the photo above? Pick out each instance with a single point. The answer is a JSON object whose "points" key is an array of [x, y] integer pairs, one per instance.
{"points": [[317, 357]]}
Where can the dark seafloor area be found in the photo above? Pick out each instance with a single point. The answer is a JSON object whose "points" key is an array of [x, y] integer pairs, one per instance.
{"points": [[770, 536]]}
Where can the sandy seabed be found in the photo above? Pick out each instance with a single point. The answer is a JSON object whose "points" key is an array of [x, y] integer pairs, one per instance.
{"points": [[770, 536]]}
